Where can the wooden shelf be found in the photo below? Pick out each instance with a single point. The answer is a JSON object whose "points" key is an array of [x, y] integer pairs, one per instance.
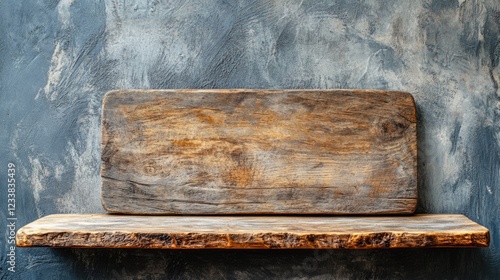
{"points": [[252, 232], [224, 152]]}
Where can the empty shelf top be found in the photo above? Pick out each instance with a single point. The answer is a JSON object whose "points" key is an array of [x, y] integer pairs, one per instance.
{"points": [[257, 232]]}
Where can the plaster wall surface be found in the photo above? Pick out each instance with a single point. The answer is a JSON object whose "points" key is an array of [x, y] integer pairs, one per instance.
{"points": [[58, 58]]}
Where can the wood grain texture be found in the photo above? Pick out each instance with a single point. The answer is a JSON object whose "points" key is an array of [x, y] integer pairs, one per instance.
{"points": [[259, 152], [252, 232]]}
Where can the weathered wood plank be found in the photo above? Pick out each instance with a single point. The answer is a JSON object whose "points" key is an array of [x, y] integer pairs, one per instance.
{"points": [[259, 152], [252, 232]]}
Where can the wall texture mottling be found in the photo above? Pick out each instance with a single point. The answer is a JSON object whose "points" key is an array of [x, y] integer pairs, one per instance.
{"points": [[58, 58]]}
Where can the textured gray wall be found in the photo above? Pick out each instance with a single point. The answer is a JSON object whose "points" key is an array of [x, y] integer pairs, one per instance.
{"points": [[58, 58]]}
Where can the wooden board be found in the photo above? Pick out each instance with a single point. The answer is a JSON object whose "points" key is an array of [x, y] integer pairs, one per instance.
{"points": [[259, 152], [252, 232]]}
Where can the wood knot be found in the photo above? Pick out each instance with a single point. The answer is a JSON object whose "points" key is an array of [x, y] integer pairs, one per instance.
{"points": [[393, 129]]}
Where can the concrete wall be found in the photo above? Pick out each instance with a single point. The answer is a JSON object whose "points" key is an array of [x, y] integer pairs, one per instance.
{"points": [[58, 58]]}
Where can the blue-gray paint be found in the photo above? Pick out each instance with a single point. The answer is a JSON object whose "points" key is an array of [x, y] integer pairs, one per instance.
{"points": [[58, 58]]}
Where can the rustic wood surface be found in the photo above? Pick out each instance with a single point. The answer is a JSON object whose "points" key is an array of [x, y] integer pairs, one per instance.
{"points": [[259, 152], [257, 232]]}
